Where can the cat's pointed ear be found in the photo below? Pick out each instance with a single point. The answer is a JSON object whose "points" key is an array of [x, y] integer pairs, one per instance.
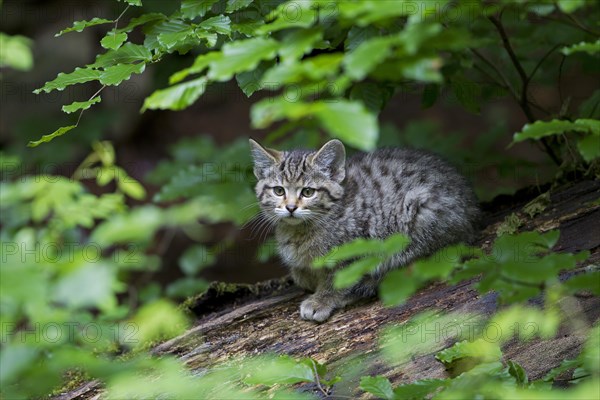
{"points": [[263, 158], [331, 158]]}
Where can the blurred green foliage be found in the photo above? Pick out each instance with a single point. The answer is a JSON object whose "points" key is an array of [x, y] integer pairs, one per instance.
{"points": [[69, 305]]}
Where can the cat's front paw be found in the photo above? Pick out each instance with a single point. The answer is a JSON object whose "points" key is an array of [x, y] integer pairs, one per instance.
{"points": [[315, 309]]}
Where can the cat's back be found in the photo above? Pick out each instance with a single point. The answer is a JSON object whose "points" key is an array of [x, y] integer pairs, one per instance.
{"points": [[392, 189], [393, 171]]}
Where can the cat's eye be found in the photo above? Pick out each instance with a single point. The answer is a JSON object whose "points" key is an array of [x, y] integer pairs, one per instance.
{"points": [[279, 191], [307, 192]]}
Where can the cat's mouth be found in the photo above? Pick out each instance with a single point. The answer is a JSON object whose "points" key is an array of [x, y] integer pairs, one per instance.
{"points": [[292, 220]]}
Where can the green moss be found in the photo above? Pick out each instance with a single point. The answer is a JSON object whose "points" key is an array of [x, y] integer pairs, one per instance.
{"points": [[537, 205], [510, 225], [73, 379]]}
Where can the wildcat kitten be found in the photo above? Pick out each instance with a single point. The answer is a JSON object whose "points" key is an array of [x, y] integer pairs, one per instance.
{"points": [[319, 200]]}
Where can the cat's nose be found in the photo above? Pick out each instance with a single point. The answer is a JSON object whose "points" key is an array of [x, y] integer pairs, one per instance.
{"points": [[291, 208]]}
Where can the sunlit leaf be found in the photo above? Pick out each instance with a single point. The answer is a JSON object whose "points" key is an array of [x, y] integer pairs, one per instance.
{"points": [[158, 320], [46, 138], [378, 386], [540, 129], [15, 52], [589, 147], [118, 73], [278, 370], [113, 40], [220, 24], [79, 75], [79, 26], [80, 105], [129, 53], [176, 97], [196, 8], [351, 274], [241, 56]]}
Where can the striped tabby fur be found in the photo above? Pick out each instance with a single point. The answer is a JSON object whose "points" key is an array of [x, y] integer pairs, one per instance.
{"points": [[371, 195]]}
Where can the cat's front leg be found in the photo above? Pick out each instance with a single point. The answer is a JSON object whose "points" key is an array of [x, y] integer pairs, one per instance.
{"points": [[319, 306]]}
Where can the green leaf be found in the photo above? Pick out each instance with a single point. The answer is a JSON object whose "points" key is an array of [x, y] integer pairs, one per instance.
{"points": [[220, 24], [234, 5], [15, 358], [589, 147], [129, 53], [196, 8], [569, 6], [480, 349], [564, 366], [141, 20], [525, 323], [290, 15], [118, 73], [186, 287], [367, 56], [62, 80], [590, 108], [346, 120], [79, 26], [378, 386], [130, 187], [15, 52], [517, 372], [239, 56], [80, 105], [158, 320], [46, 138], [277, 370], [113, 40], [195, 258], [591, 48], [135, 3], [372, 95], [97, 279], [584, 281], [357, 35], [349, 121], [397, 286], [298, 43], [172, 40], [540, 129], [312, 69], [394, 244], [200, 64], [419, 389], [356, 248], [250, 81], [351, 274], [176, 97], [136, 226]]}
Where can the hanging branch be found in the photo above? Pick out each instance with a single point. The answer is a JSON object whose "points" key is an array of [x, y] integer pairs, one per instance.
{"points": [[522, 99]]}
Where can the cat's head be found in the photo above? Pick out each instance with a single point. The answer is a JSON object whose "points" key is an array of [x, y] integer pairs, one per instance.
{"points": [[299, 185]]}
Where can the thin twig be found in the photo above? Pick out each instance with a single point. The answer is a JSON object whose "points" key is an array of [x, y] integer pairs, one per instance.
{"points": [[505, 81], [581, 26], [537, 66], [513, 57], [94, 95], [317, 380], [560, 69], [570, 23], [120, 15], [523, 99]]}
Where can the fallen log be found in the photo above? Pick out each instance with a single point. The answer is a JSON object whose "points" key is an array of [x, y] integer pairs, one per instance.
{"points": [[236, 321]]}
